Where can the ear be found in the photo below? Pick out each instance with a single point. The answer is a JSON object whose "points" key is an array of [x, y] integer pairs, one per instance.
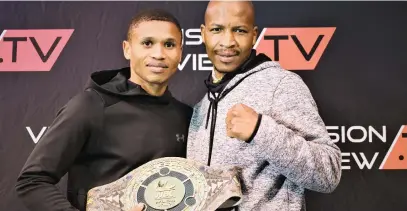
{"points": [[180, 58], [255, 33], [126, 49], [203, 33]]}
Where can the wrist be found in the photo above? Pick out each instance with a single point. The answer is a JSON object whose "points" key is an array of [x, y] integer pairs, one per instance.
{"points": [[256, 128]]}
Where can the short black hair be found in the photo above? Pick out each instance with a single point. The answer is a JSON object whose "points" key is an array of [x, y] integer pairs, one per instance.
{"points": [[153, 15]]}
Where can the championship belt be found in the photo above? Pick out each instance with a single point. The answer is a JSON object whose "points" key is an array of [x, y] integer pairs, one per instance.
{"points": [[169, 184]]}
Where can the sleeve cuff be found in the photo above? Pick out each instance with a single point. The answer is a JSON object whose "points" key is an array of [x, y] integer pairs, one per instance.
{"points": [[255, 129]]}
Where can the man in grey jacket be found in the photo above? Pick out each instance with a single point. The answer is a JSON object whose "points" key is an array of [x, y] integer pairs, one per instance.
{"points": [[260, 118]]}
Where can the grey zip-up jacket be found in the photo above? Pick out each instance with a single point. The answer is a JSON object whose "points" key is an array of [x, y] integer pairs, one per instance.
{"points": [[291, 150]]}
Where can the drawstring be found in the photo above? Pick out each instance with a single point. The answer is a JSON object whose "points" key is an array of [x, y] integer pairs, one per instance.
{"points": [[209, 110], [212, 110]]}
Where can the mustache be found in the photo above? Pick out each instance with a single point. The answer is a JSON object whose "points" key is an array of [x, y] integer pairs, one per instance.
{"points": [[157, 64], [227, 52]]}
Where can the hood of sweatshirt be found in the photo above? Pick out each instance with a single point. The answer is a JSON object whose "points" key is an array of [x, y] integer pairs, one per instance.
{"points": [[116, 83]]}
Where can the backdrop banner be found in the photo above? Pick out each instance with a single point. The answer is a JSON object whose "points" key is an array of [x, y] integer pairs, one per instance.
{"points": [[352, 56]]}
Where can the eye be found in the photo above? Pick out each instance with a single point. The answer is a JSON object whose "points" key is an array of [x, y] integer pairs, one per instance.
{"points": [[215, 30], [147, 43], [240, 31], [169, 44]]}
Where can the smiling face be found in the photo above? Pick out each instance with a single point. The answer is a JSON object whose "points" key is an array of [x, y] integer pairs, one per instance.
{"points": [[229, 34], [154, 50]]}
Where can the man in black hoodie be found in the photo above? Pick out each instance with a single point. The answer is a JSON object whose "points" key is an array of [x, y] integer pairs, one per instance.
{"points": [[123, 119]]}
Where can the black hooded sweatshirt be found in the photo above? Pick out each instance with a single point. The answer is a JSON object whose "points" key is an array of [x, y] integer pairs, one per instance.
{"points": [[99, 136]]}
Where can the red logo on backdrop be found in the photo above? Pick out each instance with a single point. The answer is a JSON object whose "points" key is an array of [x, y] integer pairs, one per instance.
{"points": [[31, 50], [295, 48], [396, 157]]}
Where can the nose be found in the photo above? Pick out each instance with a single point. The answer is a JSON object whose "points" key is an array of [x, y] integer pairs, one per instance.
{"points": [[158, 52], [228, 40]]}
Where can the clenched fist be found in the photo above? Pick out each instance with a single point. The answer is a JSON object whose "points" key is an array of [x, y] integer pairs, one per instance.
{"points": [[241, 122]]}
